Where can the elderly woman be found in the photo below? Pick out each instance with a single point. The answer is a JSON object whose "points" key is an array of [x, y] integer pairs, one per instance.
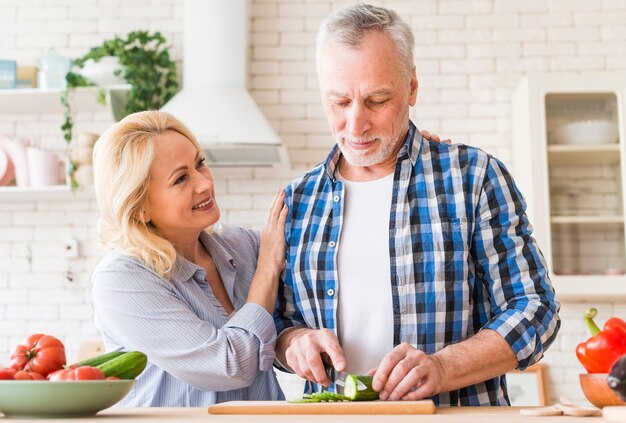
{"points": [[198, 302]]}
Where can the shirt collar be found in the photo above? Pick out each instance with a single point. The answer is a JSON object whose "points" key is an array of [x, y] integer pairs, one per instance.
{"points": [[184, 270], [412, 145], [410, 150]]}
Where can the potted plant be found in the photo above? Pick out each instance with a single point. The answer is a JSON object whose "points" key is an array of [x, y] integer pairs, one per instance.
{"points": [[145, 64]]}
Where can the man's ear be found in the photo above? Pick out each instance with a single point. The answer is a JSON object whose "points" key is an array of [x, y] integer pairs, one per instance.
{"points": [[413, 87]]}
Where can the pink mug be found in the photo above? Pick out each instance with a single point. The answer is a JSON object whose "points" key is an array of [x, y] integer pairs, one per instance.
{"points": [[17, 153]]}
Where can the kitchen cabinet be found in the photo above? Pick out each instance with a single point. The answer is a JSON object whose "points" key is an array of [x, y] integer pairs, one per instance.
{"points": [[569, 148], [35, 101]]}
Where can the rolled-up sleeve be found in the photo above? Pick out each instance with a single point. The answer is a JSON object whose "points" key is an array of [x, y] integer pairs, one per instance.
{"points": [[524, 308], [143, 312], [256, 320]]}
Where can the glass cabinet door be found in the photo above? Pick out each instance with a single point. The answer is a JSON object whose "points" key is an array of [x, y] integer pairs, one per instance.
{"points": [[584, 183]]}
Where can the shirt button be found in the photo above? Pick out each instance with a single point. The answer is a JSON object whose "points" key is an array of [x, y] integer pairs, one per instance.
{"points": [[330, 292], [336, 198], [331, 244]]}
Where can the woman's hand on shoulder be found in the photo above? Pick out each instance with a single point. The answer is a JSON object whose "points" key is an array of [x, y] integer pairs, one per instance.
{"points": [[434, 137], [272, 250]]}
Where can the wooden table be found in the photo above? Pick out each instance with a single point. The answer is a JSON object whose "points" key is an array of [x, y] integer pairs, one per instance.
{"points": [[448, 415]]}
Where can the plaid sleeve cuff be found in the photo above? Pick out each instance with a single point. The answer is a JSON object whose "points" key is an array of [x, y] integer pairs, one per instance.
{"points": [[520, 334]]}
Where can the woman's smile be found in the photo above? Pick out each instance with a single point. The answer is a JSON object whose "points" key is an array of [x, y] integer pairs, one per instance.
{"points": [[204, 205]]}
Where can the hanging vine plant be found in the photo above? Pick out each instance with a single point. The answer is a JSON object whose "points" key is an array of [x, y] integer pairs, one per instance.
{"points": [[145, 65]]}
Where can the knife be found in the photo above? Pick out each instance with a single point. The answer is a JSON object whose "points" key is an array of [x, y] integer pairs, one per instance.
{"points": [[339, 379]]}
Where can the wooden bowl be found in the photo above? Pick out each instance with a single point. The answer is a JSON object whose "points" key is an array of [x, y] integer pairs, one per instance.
{"points": [[597, 391]]}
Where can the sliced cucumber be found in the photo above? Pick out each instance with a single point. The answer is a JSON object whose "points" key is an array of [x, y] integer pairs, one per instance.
{"points": [[303, 400], [351, 389], [324, 396], [357, 388]]}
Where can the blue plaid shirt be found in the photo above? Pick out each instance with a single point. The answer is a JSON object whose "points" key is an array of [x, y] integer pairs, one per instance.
{"points": [[461, 252]]}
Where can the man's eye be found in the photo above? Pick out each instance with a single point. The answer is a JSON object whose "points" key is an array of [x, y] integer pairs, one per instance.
{"points": [[377, 103], [342, 103]]}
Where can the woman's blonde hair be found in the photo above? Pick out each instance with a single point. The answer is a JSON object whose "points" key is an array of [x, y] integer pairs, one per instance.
{"points": [[122, 158]]}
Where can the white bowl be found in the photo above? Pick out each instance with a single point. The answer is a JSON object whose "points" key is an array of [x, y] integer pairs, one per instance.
{"points": [[102, 73], [587, 132]]}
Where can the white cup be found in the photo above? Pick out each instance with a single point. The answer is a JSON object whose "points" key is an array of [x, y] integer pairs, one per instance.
{"points": [[43, 167]]}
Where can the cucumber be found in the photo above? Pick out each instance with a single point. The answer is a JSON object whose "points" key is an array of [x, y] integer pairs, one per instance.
{"points": [[303, 400], [352, 393], [127, 366], [324, 396], [99, 359], [328, 396]]}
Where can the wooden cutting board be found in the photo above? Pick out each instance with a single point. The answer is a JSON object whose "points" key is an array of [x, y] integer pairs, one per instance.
{"points": [[346, 407]]}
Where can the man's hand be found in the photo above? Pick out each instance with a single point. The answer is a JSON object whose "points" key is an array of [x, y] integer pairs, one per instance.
{"points": [[407, 373], [434, 137], [303, 353]]}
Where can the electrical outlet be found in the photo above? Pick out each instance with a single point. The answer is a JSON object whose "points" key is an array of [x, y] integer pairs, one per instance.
{"points": [[71, 248]]}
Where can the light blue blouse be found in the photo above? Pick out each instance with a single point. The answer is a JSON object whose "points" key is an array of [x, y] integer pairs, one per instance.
{"points": [[197, 354]]}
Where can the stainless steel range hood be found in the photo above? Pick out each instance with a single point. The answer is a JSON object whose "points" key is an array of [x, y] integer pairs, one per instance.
{"points": [[214, 102]]}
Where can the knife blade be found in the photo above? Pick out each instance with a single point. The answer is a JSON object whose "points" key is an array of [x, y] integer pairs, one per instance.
{"points": [[339, 379]]}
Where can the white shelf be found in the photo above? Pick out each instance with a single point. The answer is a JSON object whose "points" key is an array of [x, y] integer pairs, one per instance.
{"points": [[52, 192], [589, 287], [577, 155], [599, 220], [35, 100]]}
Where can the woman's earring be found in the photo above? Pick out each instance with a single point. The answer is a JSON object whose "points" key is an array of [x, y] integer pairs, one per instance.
{"points": [[145, 217]]}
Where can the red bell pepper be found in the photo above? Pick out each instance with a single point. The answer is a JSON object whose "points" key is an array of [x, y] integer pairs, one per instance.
{"points": [[604, 347]]}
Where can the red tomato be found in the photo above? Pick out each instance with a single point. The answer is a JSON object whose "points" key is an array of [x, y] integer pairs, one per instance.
{"points": [[7, 373], [78, 373], [39, 353], [25, 375]]}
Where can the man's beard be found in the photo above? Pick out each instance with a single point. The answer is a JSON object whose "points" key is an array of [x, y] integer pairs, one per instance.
{"points": [[386, 146]]}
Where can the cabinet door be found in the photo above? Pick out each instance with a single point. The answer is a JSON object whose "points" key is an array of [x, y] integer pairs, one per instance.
{"points": [[584, 183], [569, 149]]}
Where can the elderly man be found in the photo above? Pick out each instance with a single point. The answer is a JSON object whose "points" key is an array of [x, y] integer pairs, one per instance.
{"points": [[407, 258]]}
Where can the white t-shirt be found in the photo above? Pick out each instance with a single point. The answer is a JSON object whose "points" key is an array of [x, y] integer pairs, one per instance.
{"points": [[364, 311]]}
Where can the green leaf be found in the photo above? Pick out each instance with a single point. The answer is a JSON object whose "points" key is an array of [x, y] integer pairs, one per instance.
{"points": [[148, 69]]}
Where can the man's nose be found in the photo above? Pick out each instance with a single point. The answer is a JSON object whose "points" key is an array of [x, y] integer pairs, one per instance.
{"points": [[358, 120]]}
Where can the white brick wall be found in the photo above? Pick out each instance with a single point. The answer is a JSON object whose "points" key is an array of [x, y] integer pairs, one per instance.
{"points": [[469, 57]]}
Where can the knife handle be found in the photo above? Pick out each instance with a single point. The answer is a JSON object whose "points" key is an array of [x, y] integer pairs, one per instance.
{"points": [[328, 367]]}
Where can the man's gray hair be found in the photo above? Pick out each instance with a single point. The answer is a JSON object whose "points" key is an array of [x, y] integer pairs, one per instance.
{"points": [[350, 24]]}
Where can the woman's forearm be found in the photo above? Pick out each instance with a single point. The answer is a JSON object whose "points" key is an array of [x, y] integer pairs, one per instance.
{"points": [[264, 287]]}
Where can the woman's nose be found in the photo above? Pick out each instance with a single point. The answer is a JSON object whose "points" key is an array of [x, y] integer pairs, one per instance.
{"points": [[203, 183]]}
